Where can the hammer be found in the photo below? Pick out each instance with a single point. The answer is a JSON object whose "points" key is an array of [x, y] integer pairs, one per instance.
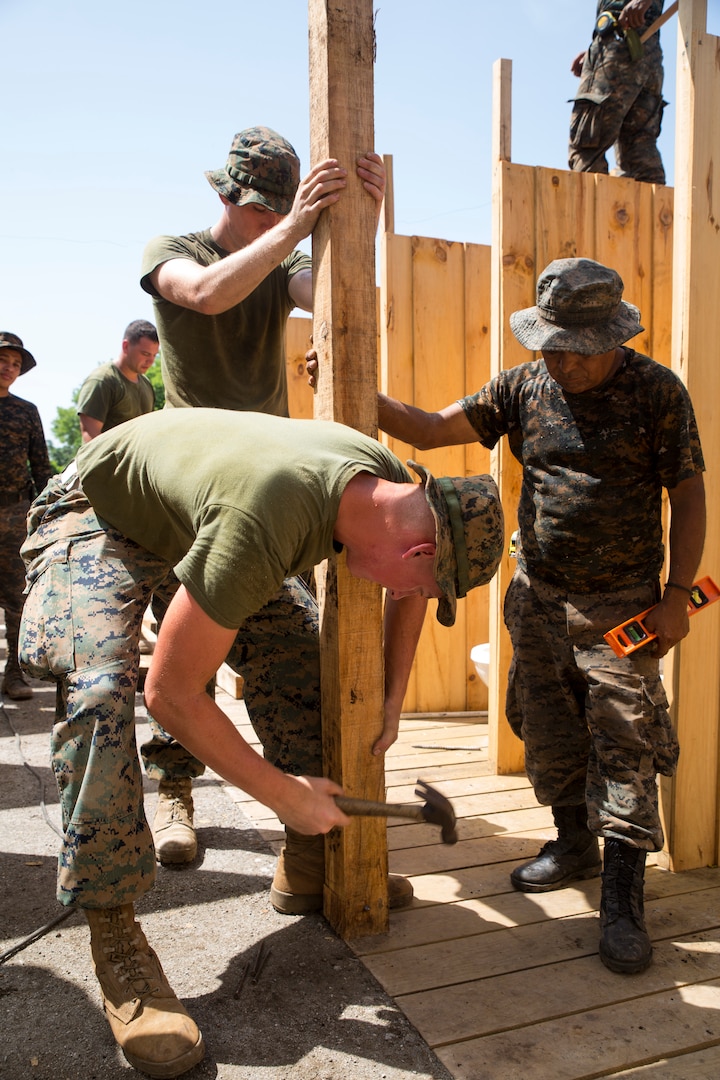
{"points": [[437, 810]]}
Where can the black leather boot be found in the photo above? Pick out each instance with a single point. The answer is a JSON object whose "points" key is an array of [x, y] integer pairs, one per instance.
{"points": [[574, 856], [624, 943]]}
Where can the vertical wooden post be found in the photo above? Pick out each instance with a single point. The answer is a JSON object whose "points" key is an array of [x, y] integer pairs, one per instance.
{"points": [[502, 111], [387, 218], [342, 47], [690, 803], [505, 750]]}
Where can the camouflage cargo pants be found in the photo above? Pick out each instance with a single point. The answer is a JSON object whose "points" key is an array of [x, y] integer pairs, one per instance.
{"points": [[595, 727], [89, 587], [13, 527], [619, 103]]}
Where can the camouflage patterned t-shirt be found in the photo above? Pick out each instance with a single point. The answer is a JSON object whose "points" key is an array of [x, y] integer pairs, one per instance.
{"points": [[594, 465], [24, 463]]}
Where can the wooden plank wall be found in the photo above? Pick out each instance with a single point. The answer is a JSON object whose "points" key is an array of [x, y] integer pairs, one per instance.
{"points": [[434, 334], [434, 347], [544, 214], [692, 800]]}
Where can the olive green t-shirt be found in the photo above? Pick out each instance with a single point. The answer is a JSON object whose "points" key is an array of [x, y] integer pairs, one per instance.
{"points": [[234, 360], [110, 397], [235, 502]]}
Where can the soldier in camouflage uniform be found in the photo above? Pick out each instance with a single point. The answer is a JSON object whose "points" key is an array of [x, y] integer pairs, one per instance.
{"points": [[240, 503], [619, 102], [599, 430], [25, 471], [222, 298]]}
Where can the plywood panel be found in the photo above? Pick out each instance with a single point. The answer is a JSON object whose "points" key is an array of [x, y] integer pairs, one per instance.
{"points": [[660, 315], [693, 804], [477, 458], [514, 272], [564, 217], [397, 373], [439, 364], [445, 303], [624, 240], [298, 341]]}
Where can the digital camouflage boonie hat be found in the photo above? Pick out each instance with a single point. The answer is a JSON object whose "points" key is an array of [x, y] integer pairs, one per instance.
{"points": [[12, 341], [579, 309], [468, 534], [262, 167]]}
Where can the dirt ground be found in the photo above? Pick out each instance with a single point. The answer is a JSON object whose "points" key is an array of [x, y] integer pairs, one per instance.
{"points": [[312, 1011]]}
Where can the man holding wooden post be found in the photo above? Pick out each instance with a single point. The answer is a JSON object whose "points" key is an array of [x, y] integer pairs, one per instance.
{"points": [[222, 297]]}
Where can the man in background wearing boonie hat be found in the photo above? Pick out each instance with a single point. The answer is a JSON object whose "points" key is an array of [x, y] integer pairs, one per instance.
{"points": [[24, 471], [599, 431], [231, 504], [222, 298]]}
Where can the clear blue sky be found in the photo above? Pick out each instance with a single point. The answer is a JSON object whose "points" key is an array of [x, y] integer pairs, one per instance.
{"points": [[111, 113]]}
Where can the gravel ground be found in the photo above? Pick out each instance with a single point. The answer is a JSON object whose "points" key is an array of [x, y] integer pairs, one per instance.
{"points": [[314, 1012]]}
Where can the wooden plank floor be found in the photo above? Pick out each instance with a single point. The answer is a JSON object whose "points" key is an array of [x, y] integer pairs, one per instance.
{"points": [[506, 985]]}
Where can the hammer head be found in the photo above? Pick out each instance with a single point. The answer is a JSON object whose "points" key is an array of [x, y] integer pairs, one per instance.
{"points": [[438, 811]]}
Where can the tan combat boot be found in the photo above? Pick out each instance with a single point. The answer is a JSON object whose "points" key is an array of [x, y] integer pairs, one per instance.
{"points": [[297, 887], [14, 685], [175, 839], [151, 1027]]}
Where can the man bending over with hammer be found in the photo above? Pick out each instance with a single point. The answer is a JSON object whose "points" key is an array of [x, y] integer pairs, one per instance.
{"points": [[240, 504]]}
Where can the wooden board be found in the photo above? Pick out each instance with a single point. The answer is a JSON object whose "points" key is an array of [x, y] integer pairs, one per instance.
{"points": [[345, 337], [692, 802]]}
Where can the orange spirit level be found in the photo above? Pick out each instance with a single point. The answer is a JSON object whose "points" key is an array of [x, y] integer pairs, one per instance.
{"points": [[633, 634]]}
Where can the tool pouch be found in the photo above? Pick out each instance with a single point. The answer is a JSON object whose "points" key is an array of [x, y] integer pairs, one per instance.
{"points": [[634, 44]]}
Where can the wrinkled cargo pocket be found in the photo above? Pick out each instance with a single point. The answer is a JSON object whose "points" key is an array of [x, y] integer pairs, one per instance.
{"points": [[47, 638], [586, 120], [659, 727]]}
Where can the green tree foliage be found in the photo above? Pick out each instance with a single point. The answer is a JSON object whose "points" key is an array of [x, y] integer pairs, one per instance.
{"points": [[66, 426], [155, 377], [66, 430]]}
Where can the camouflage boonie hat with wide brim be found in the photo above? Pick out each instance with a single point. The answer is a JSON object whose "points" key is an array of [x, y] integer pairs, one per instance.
{"points": [[579, 309], [262, 167], [469, 534], [12, 341]]}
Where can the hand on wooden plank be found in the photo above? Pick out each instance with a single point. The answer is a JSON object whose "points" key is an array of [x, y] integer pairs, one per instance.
{"points": [[324, 185], [318, 190]]}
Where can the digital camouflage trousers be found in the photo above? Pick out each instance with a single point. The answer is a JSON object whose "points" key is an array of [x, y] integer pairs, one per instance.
{"points": [[89, 587], [619, 103], [13, 526], [595, 727]]}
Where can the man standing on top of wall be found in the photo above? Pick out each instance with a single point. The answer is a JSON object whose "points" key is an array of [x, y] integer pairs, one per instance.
{"points": [[619, 102]]}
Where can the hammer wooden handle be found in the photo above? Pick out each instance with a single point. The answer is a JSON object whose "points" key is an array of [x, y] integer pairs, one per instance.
{"points": [[367, 808]]}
